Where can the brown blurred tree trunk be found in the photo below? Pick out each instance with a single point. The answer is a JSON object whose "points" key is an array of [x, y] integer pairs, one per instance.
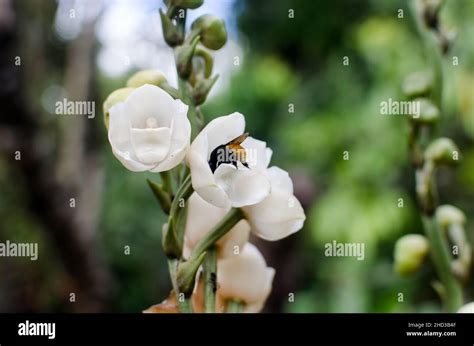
{"points": [[71, 229]]}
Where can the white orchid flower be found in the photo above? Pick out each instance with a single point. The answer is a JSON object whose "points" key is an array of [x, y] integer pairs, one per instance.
{"points": [[149, 131], [246, 278], [230, 184], [280, 214], [201, 218]]}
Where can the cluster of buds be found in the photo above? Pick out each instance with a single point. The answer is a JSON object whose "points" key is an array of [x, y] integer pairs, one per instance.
{"points": [[445, 239], [428, 11]]}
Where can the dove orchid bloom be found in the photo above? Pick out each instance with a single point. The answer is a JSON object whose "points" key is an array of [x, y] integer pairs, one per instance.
{"points": [[149, 131]]}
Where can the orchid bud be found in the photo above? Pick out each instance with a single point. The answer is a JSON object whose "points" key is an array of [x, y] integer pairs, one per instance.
{"points": [[202, 89], [184, 55], [417, 84], [212, 30], [442, 151], [452, 220], [186, 277], [447, 215], [189, 4], [429, 113], [172, 34], [153, 77], [161, 195], [410, 251], [170, 242], [119, 95]]}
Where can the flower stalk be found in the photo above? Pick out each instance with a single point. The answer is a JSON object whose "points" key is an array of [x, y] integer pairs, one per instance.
{"points": [[427, 154], [234, 306], [221, 229]]}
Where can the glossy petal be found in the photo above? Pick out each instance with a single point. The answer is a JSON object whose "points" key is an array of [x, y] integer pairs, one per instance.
{"points": [[276, 217], [149, 101], [245, 277], [243, 186]]}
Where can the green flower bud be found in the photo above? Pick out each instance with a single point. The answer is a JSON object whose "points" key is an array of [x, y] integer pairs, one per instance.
{"points": [[173, 36], [183, 56], [186, 277], [202, 89], [442, 151], [153, 77], [170, 242], [429, 113], [119, 95], [190, 4], [212, 31], [410, 251], [417, 84], [447, 215], [161, 195]]}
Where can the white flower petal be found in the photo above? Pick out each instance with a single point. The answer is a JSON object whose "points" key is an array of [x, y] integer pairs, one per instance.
{"points": [[236, 238], [151, 145], [243, 186], [149, 101], [280, 179], [467, 308], [269, 156], [220, 131], [119, 138], [172, 160], [276, 217], [202, 217], [181, 133], [203, 181], [258, 305], [245, 277], [256, 152]]}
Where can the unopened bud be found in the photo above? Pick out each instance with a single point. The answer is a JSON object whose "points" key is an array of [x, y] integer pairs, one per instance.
{"points": [[186, 277], [184, 55], [447, 215], [170, 242], [202, 89], [429, 113], [417, 84], [410, 251], [189, 4], [173, 36], [119, 95], [212, 30], [153, 77], [442, 151]]}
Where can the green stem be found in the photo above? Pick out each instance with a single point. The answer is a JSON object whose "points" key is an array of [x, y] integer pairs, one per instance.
{"points": [[210, 279], [185, 306], [177, 208], [453, 296], [219, 230], [234, 306]]}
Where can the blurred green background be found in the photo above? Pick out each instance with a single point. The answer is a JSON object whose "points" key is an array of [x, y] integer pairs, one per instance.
{"points": [[282, 61]]}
